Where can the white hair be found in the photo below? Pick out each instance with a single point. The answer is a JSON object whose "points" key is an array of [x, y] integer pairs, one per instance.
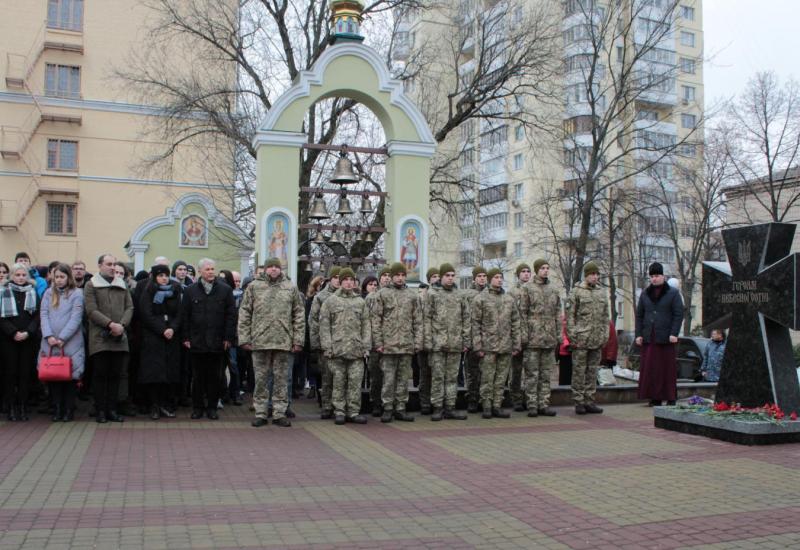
{"points": [[18, 266], [161, 260], [203, 262]]}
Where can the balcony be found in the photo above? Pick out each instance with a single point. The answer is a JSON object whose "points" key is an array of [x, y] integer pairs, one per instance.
{"points": [[495, 235]]}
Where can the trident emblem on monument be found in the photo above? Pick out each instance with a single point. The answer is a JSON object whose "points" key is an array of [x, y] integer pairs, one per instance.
{"points": [[744, 252]]}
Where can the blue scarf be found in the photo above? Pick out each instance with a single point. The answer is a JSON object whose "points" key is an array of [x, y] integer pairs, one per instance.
{"points": [[163, 292]]}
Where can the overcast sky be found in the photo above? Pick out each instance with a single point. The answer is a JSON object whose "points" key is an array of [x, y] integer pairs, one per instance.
{"points": [[746, 36]]}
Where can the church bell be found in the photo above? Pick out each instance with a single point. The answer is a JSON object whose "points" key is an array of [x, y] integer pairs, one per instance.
{"points": [[343, 172], [366, 206], [318, 210], [344, 206]]}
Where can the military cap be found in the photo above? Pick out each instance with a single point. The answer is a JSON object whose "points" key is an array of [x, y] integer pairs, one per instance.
{"points": [[334, 271], [397, 268], [494, 271], [446, 268], [522, 266], [273, 262], [537, 265], [430, 273], [346, 272], [477, 270], [589, 268]]}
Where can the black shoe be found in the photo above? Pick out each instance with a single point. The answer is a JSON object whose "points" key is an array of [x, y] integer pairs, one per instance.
{"points": [[357, 419], [386, 417], [671, 403], [377, 411], [114, 417], [124, 409], [290, 413], [12, 413], [580, 409], [486, 414], [238, 403], [547, 411], [197, 414], [155, 414], [450, 414], [533, 413], [326, 415], [339, 420], [58, 415], [437, 415], [403, 416], [500, 413], [282, 422], [519, 407], [100, 417], [259, 422], [166, 412], [69, 416], [472, 408], [212, 414], [23, 413], [591, 408], [425, 410], [654, 403]]}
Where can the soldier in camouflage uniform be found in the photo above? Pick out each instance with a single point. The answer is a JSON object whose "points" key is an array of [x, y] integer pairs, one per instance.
{"points": [[472, 369], [423, 360], [397, 327], [540, 309], [345, 337], [447, 336], [272, 325], [496, 337], [313, 337], [586, 311], [374, 361], [523, 273]]}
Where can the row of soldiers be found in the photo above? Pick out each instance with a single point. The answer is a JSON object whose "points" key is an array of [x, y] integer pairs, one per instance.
{"points": [[486, 326]]}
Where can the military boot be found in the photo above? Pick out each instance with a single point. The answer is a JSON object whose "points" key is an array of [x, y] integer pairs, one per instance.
{"points": [[436, 416], [472, 408], [533, 413], [326, 415], [357, 419], [425, 410], [386, 417], [339, 420], [487, 410], [519, 407], [283, 422], [451, 414], [580, 409], [547, 411], [403, 416], [377, 410], [500, 413], [591, 408]]}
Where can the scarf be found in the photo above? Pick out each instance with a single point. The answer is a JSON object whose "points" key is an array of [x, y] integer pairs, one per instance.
{"points": [[207, 286], [8, 305], [163, 292], [237, 296]]}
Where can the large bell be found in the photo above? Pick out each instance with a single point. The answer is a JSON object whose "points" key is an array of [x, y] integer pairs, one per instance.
{"points": [[318, 210], [366, 206], [320, 238], [369, 238], [344, 206], [308, 267], [343, 172], [333, 239]]}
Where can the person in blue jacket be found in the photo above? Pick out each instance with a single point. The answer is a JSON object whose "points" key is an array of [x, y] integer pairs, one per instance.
{"points": [[712, 358]]}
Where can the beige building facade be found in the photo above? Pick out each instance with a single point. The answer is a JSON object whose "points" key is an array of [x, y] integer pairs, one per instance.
{"points": [[74, 142]]}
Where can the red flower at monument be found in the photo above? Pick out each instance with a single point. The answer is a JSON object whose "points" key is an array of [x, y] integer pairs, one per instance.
{"points": [[793, 416], [721, 406]]}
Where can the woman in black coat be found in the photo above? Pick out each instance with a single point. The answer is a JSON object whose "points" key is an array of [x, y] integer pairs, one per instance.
{"points": [[659, 315], [19, 324], [161, 315]]}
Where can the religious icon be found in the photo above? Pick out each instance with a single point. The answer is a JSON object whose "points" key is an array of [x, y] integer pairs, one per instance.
{"points": [[410, 249], [278, 238], [194, 232]]}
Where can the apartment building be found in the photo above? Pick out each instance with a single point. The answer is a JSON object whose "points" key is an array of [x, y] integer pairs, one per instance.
{"points": [[514, 169], [74, 140]]}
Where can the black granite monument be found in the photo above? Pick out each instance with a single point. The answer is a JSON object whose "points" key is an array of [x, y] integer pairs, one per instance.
{"points": [[756, 296]]}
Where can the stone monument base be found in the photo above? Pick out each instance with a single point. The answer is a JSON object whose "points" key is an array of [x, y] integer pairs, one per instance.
{"points": [[727, 428]]}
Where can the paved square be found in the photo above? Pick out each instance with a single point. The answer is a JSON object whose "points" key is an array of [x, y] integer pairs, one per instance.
{"points": [[607, 482]]}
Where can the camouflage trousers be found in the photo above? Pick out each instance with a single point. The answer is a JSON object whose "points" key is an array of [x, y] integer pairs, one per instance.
{"points": [[494, 372], [472, 377], [276, 363], [585, 363], [375, 379], [444, 378], [396, 373], [515, 388], [424, 361], [346, 387], [538, 366], [326, 384]]}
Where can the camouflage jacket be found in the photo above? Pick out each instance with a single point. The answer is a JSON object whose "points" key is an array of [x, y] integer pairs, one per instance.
{"points": [[495, 323], [370, 302], [447, 320], [272, 315], [397, 320], [344, 325], [586, 311], [540, 312], [469, 296], [313, 316]]}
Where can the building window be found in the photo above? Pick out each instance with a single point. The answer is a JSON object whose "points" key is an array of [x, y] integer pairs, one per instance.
{"points": [[62, 155], [518, 161], [62, 81], [494, 221], [465, 282], [519, 133], [519, 192], [646, 114], [61, 218], [687, 12], [687, 39], [467, 257], [688, 150], [688, 93], [688, 121], [687, 65], [65, 14], [519, 220], [518, 250]]}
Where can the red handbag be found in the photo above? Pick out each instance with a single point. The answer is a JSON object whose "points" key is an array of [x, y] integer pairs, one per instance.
{"points": [[55, 368]]}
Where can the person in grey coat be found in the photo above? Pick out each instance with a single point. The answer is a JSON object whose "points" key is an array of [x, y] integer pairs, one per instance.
{"points": [[61, 316]]}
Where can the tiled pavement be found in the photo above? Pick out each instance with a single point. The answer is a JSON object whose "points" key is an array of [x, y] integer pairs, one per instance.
{"points": [[605, 482]]}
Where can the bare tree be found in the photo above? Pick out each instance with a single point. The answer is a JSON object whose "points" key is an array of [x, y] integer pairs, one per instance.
{"points": [[763, 143]]}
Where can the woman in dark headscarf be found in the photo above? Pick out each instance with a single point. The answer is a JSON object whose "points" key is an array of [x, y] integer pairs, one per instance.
{"points": [[659, 315]]}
